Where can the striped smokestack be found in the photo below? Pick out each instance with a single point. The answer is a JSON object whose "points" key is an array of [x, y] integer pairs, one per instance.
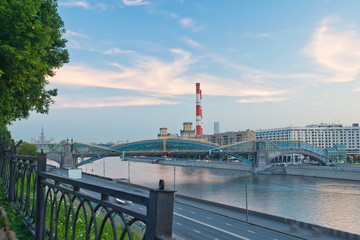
{"points": [[199, 129]]}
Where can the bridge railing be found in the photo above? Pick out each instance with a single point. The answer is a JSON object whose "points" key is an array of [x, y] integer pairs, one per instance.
{"points": [[299, 145], [58, 207]]}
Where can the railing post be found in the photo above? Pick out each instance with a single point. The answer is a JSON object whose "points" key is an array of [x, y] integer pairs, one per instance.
{"points": [[12, 175], [2, 148], [40, 200], [160, 213], [3, 159]]}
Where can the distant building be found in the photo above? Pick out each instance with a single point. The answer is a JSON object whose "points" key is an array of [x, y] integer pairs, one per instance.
{"points": [[322, 135], [216, 128], [229, 137], [42, 138], [187, 131], [219, 139], [164, 134]]}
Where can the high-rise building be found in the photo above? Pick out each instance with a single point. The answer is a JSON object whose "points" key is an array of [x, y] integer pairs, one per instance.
{"points": [[42, 138], [322, 135], [216, 128]]}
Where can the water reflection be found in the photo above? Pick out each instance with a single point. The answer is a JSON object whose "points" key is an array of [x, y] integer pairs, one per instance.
{"points": [[331, 203]]}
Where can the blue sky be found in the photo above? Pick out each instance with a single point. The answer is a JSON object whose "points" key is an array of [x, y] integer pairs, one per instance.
{"points": [[261, 64]]}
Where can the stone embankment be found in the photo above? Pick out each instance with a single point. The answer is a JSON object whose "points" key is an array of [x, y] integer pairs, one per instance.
{"points": [[333, 172], [336, 172]]}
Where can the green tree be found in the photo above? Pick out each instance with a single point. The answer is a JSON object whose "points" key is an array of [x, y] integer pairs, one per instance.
{"points": [[26, 149], [5, 135], [31, 48]]}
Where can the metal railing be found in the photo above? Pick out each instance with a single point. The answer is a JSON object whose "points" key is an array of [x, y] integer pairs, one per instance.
{"points": [[58, 207]]}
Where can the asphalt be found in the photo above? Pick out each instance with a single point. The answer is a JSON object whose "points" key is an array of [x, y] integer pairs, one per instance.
{"points": [[199, 220], [283, 230]]}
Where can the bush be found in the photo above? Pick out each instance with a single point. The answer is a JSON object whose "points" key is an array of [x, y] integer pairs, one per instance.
{"points": [[27, 149]]}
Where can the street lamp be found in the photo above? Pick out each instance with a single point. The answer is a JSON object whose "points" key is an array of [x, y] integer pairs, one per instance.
{"points": [[129, 171], [104, 167], [246, 194], [174, 176]]}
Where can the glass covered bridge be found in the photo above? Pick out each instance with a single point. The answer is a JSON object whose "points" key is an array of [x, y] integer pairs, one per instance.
{"points": [[192, 148], [169, 145]]}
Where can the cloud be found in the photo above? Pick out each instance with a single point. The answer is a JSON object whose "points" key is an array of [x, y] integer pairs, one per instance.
{"points": [[148, 75], [262, 99], [335, 48], [263, 35], [255, 35], [153, 77], [125, 101], [135, 2], [217, 86], [190, 24], [318, 104], [75, 34], [252, 74], [81, 4], [187, 22], [192, 43], [114, 51]]}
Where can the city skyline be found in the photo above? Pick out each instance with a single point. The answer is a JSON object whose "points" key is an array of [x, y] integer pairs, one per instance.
{"points": [[134, 64]]}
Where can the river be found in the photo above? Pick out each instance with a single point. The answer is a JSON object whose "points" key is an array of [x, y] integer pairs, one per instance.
{"points": [[327, 202]]}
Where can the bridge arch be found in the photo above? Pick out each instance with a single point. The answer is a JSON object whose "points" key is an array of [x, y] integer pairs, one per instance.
{"points": [[274, 154]]}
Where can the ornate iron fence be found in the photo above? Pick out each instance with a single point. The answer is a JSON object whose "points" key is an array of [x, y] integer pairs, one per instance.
{"points": [[58, 207]]}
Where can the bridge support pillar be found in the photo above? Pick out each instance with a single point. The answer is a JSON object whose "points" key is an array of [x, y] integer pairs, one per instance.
{"points": [[261, 157], [67, 160]]}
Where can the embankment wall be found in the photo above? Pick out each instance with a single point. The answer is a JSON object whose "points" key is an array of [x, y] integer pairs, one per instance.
{"points": [[345, 173]]}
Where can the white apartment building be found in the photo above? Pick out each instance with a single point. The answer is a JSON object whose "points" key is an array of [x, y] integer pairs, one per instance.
{"points": [[322, 135]]}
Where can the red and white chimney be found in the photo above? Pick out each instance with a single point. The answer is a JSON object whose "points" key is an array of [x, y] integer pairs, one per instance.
{"points": [[199, 129]]}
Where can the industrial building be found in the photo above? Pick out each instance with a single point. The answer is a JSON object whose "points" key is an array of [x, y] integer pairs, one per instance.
{"points": [[220, 139], [217, 138], [322, 135]]}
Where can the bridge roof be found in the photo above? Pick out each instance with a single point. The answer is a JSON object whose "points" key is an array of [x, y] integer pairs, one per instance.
{"points": [[246, 146], [168, 144], [81, 147]]}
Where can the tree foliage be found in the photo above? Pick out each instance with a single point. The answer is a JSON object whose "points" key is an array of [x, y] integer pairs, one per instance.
{"points": [[5, 135], [31, 48], [26, 149]]}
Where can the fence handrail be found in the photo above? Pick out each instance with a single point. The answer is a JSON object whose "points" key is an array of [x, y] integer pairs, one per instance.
{"points": [[22, 157], [34, 192], [139, 198]]}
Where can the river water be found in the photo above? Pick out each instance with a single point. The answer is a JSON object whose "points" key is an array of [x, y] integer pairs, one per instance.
{"points": [[327, 202]]}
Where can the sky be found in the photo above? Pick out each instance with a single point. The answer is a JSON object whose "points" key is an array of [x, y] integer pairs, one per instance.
{"points": [[261, 64]]}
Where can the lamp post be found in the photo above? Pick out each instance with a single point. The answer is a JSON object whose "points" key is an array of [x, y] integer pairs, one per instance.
{"points": [[129, 171], [246, 194], [104, 167], [174, 177]]}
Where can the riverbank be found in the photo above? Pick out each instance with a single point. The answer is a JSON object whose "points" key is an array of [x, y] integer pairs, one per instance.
{"points": [[331, 172], [290, 227], [199, 163], [334, 172]]}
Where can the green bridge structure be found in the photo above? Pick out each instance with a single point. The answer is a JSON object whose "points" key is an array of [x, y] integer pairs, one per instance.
{"points": [[259, 153]]}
